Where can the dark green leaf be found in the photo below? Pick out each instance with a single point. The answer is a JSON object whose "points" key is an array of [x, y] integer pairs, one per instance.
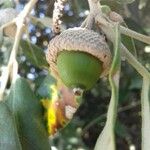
{"points": [[9, 139], [28, 115], [34, 54]]}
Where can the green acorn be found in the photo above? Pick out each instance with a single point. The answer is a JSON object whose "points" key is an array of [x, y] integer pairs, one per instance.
{"points": [[79, 57], [81, 69]]}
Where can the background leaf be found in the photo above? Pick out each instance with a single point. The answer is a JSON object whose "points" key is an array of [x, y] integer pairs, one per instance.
{"points": [[34, 54], [28, 116], [44, 90], [1, 38], [9, 139], [129, 43]]}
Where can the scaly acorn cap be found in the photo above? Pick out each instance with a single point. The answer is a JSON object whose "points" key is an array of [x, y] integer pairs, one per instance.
{"points": [[79, 39]]}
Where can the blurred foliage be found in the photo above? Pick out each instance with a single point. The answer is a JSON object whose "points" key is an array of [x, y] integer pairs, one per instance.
{"points": [[83, 130]]}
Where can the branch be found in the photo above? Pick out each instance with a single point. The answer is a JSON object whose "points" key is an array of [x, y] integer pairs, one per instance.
{"points": [[12, 66], [135, 35], [134, 62]]}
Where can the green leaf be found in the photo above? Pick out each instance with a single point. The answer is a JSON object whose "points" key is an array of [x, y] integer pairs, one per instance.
{"points": [[9, 139], [34, 54], [106, 140], [145, 102], [28, 116], [44, 90]]}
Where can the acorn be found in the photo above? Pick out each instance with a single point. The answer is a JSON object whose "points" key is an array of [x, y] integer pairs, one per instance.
{"points": [[79, 57]]}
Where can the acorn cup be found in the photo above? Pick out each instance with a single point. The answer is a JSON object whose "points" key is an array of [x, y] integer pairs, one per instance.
{"points": [[79, 57]]}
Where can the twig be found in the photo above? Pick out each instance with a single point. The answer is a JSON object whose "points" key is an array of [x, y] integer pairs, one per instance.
{"points": [[57, 14], [20, 20], [135, 35], [107, 26]]}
